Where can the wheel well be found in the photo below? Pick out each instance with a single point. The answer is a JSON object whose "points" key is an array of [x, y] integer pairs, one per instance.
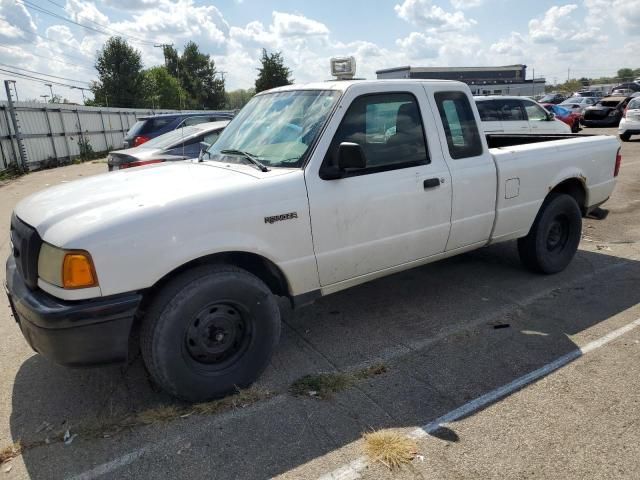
{"points": [[575, 188], [261, 267]]}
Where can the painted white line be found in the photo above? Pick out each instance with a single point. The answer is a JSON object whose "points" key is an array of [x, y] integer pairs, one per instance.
{"points": [[108, 467], [351, 471]]}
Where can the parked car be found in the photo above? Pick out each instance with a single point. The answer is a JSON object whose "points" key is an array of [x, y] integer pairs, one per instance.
{"points": [[501, 114], [294, 200], [630, 122], [586, 93], [554, 98], [606, 113], [628, 85], [153, 126], [570, 117], [179, 144], [621, 92], [578, 104]]}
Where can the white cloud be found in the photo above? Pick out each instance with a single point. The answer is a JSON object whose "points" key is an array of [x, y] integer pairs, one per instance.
{"points": [[563, 28], [419, 46], [16, 24], [464, 4], [289, 25], [432, 17], [86, 13]]}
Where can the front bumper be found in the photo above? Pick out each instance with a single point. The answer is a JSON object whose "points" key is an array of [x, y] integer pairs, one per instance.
{"points": [[72, 333]]}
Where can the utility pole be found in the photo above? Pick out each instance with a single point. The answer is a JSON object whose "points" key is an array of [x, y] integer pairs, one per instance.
{"points": [[164, 47], [568, 74], [50, 89], [533, 83]]}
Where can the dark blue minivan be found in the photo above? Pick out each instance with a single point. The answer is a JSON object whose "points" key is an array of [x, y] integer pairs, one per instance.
{"points": [[151, 126]]}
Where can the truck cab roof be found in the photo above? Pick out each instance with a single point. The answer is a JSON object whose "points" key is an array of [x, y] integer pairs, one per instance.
{"points": [[343, 85]]}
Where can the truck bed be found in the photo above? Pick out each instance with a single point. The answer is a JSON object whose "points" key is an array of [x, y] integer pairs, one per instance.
{"points": [[533, 164]]}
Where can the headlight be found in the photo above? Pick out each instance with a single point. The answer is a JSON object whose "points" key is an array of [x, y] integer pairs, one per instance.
{"points": [[613, 113], [66, 268]]}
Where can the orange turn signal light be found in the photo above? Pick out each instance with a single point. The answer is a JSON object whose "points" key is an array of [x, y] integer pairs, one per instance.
{"points": [[78, 271]]}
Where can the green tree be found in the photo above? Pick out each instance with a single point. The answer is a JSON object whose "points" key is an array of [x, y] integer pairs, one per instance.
{"points": [[197, 75], [625, 74], [120, 78], [273, 72], [236, 99], [162, 90]]}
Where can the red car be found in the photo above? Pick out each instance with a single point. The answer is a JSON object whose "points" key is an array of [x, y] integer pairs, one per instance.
{"points": [[569, 117]]}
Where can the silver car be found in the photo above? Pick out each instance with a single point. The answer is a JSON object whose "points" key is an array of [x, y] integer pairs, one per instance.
{"points": [[180, 144], [578, 104]]}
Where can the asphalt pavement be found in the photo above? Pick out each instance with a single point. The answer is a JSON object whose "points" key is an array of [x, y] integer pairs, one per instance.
{"points": [[441, 337]]}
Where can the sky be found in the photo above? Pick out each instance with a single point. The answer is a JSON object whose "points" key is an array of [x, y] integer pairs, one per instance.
{"points": [[558, 39]]}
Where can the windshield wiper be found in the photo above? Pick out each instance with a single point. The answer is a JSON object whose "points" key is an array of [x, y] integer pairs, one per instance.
{"points": [[249, 156]]}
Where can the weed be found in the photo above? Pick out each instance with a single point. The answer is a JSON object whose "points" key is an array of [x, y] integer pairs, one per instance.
{"points": [[10, 452], [390, 448]]}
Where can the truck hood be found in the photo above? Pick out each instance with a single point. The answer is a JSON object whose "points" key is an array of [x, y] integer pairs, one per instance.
{"points": [[64, 212]]}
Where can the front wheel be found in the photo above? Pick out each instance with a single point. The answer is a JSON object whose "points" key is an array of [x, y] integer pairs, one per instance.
{"points": [[554, 237], [209, 332], [625, 137], [575, 127]]}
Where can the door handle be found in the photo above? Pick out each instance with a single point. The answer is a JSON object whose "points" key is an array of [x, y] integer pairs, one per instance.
{"points": [[431, 183]]}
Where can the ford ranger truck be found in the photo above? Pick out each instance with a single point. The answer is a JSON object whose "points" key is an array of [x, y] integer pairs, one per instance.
{"points": [[310, 190]]}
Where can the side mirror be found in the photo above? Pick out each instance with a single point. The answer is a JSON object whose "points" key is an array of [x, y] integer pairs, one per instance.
{"points": [[204, 146], [350, 155], [551, 116]]}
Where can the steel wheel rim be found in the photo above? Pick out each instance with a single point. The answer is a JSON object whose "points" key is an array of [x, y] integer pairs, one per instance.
{"points": [[217, 336]]}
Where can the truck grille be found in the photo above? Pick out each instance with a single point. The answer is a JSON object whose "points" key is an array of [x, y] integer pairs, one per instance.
{"points": [[26, 245]]}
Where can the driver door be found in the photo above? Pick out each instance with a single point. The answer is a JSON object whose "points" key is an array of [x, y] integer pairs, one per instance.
{"points": [[395, 210]]}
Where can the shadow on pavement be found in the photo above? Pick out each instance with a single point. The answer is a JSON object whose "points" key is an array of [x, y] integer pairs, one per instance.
{"points": [[433, 327]]}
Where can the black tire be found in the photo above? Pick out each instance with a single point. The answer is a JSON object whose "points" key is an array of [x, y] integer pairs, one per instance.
{"points": [[210, 331], [575, 128], [625, 137], [554, 237]]}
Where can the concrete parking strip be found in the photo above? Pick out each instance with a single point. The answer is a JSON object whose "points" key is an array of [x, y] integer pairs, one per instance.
{"points": [[351, 471]]}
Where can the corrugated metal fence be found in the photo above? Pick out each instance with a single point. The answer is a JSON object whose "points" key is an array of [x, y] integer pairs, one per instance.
{"points": [[54, 134]]}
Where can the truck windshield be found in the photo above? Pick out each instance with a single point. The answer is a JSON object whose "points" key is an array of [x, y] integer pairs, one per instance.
{"points": [[276, 128]]}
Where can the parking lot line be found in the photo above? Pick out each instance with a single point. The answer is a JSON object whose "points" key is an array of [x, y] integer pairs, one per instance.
{"points": [[351, 471]]}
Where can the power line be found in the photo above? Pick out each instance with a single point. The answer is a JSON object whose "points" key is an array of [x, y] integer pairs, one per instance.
{"points": [[55, 3], [37, 8], [43, 74], [31, 78]]}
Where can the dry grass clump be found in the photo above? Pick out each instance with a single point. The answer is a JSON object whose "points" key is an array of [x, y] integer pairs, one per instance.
{"points": [[325, 385], [390, 448], [10, 452]]}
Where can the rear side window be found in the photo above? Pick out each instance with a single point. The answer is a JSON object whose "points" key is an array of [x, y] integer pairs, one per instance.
{"points": [[195, 120], [634, 104], [511, 110], [488, 111], [459, 124], [389, 129], [136, 128]]}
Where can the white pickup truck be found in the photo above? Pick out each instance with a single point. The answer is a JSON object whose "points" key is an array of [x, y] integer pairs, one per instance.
{"points": [[311, 189]]}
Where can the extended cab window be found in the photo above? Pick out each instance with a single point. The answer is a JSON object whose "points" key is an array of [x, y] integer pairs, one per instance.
{"points": [[535, 112], [389, 129], [459, 124]]}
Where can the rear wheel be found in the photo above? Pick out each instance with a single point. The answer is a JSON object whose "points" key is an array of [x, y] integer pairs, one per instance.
{"points": [[625, 137], [554, 237], [209, 332]]}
